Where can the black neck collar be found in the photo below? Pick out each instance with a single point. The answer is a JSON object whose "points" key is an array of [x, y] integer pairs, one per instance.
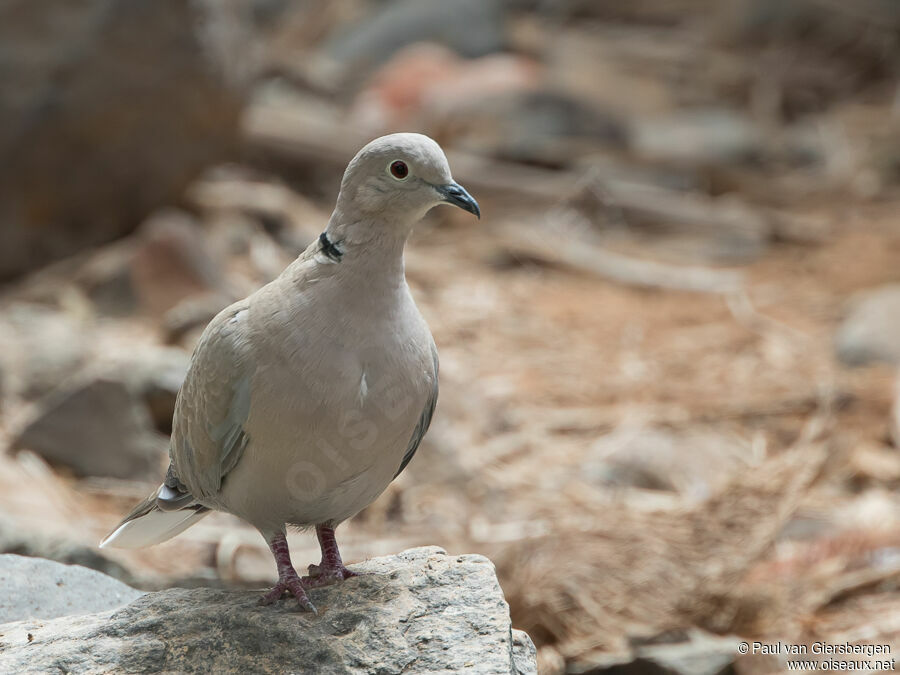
{"points": [[329, 248]]}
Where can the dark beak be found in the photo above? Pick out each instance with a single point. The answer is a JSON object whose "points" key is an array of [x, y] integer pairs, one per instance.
{"points": [[455, 194]]}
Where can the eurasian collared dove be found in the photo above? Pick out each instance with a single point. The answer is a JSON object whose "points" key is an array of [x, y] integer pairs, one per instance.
{"points": [[305, 400]]}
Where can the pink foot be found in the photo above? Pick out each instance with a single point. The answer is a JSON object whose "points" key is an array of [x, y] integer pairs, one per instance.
{"points": [[325, 575], [288, 579], [331, 569], [292, 585]]}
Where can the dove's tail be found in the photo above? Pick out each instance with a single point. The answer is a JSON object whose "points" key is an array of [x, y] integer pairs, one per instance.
{"points": [[148, 524]]}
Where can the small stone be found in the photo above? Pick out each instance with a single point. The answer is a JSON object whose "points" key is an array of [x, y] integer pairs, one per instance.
{"points": [[171, 263], [693, 463], [426, 83], [39, 347], [106, 279], [700, 653], [524, 653], [154, 376], [871, 331], [895, 417], [471, 28], [697, 137]]}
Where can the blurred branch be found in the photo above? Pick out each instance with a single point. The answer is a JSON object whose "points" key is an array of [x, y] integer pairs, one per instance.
{"points": [[303, 134], [582, 256]]}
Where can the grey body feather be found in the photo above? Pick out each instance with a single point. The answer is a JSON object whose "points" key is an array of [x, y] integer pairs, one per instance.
{"points": [[305, 410]]}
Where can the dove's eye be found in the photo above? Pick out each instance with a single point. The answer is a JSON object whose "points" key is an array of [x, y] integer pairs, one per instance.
{"points": [[398, 169]]}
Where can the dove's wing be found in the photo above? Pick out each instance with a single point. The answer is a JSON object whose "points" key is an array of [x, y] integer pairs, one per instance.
{"points": [[424, 418], [208, 433]]}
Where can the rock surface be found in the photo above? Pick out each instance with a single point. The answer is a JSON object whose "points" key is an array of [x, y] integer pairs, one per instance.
{"points": [[37, 588], [421, 611]]}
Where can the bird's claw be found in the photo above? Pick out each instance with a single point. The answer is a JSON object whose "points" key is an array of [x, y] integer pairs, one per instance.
{"points": [[325, 575], [295, 587]]}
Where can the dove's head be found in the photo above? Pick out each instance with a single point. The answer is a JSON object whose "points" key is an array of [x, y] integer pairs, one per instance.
{"points": [[398, 178]]}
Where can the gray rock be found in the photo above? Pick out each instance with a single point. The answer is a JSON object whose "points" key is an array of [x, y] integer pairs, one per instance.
{"points": [[43, 348], [546, 127], [95, 427], [110, 108], [18, 540], [153, 376], [694, 463], [471, 28], [524, 653], [694, 652], [421, 611], [160, 394], [700, 654], [33, 588], [105, 278], [871, 331], [111, 417]]}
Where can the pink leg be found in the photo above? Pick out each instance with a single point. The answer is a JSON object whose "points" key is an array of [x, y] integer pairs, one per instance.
{"points": [[331, 569], [288, 579]]}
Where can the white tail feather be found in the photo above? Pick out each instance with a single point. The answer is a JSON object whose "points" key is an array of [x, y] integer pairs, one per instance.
{"points": [[154, 527]]}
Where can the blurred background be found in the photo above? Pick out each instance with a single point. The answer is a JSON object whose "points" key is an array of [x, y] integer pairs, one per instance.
{"points": [[668, 349]]}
